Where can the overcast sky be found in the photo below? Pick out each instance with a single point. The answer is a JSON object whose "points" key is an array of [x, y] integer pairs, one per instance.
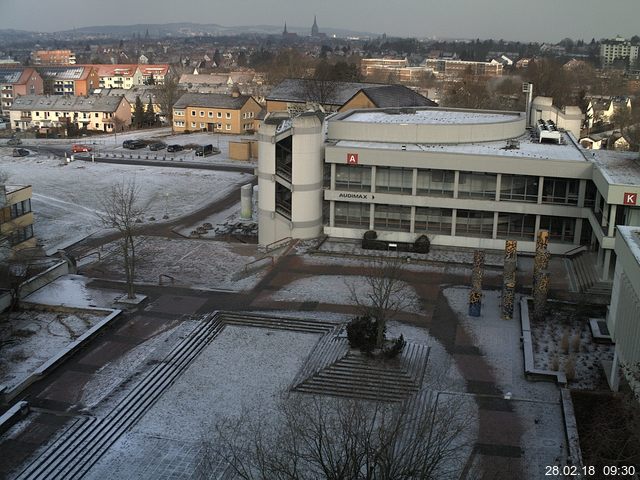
{"points": [[534, 20]]}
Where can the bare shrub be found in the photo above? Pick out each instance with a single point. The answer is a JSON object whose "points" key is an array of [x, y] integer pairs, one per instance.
{"points": [[570, 368]]}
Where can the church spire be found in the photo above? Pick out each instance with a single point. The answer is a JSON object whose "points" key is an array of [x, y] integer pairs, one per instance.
{"points": [[284, 32], [314, 28]]}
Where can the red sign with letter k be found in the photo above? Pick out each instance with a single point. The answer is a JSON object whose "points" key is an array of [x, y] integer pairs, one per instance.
{"points": [[630, 198]]}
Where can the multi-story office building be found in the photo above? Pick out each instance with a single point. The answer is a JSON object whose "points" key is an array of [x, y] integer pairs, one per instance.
{"points": [[458, 68], [462, 177], [53, 57]]}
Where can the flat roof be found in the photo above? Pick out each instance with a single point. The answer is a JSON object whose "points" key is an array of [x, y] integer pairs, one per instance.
{"points": [[437, 116], [619, 168], [631, 236], [528, 148]]}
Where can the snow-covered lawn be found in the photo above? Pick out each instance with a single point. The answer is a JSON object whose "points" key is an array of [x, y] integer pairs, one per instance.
{"points": [[29, 338], [205, 264], [66, 198], [338, 289], [563, 342]]}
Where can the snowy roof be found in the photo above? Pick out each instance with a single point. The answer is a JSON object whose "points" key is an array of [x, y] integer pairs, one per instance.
{"points": [[527, 148], [211, 100], [631, 236], [67, 103], [430, 117], [619, 168]]}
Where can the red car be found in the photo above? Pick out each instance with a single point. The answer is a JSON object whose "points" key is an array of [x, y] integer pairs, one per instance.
{"points": [[80, 148]]}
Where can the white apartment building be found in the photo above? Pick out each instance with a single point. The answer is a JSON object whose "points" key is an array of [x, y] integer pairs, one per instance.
{"points": [[464, 178], [618, 48]]}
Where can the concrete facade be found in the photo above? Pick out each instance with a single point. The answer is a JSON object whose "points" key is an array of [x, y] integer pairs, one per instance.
{"points": [[623, 320]]}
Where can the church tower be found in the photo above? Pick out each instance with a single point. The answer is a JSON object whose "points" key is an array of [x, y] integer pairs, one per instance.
{"points": [[314, 28]]}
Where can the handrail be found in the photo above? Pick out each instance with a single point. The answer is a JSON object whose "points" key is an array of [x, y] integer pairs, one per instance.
{"points": [[247, 266], [277, 244], [573, 251], [172, 280]]}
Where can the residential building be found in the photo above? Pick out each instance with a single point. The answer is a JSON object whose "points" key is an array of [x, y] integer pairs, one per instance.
{"points": [[370, 65], [618, 49], [53, 57], [145, 92], [16, 218], [298, 95], [119, 76], [18, 81], [623, 321], [76, 80], [154, 73], [464, 178], [95, 112], [214, 112]]}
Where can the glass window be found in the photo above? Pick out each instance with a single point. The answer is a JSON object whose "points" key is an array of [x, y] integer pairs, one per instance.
{"points": [[353, 177], [477, 185], [516, 226], [219, 114], [433, 220], [473, 223], [519, 188], [563, 191], [437, 183], [201, 113], [561, 229], [210, 114], [392, 217], [351, 214], [228, 115], [193, 113], [227, 127], [393, 179]]}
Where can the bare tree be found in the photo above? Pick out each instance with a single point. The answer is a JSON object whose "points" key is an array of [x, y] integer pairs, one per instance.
{"points": [[167, 94], [386, 294], [329, 438], [120, 210]]}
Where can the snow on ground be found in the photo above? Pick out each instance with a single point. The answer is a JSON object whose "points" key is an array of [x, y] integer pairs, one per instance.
{"points": [[537, 403], [66, 198], [29, 338], [244, 371], [337, 289], [205, 264], [140, 358], [72, 290]]}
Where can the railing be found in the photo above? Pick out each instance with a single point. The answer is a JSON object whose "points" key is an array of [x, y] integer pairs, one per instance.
{"points": [[172, 280], [573, 251], [277, 244]]}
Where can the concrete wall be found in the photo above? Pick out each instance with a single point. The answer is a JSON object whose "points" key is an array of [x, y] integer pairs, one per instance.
{"points": [[570, 118], [512, 125], [44, 278]]}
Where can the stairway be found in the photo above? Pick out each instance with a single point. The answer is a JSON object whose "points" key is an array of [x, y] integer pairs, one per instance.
{"points": [[354, 375], [85, 442], [585, 275]]}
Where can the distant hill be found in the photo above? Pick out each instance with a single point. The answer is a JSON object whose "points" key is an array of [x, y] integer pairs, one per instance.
{"points": [[181, 29]]}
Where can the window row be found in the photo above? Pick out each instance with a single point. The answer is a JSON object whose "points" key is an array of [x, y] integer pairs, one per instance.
{"points": [[210, 114], [468, 223], [441, 183]]}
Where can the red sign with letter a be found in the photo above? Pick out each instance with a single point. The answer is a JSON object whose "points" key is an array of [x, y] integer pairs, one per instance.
{"points": [[630, 198], [352, 158]]}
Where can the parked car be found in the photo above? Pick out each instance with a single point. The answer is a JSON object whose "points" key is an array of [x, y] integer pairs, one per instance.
{"points": [[204, 150], [77, 148], [14, 141], [155, 146], [175, 148], [20, 152], [134, 144]]}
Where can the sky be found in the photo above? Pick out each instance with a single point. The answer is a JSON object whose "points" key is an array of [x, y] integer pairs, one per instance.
{"points": [[533, 20]]}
